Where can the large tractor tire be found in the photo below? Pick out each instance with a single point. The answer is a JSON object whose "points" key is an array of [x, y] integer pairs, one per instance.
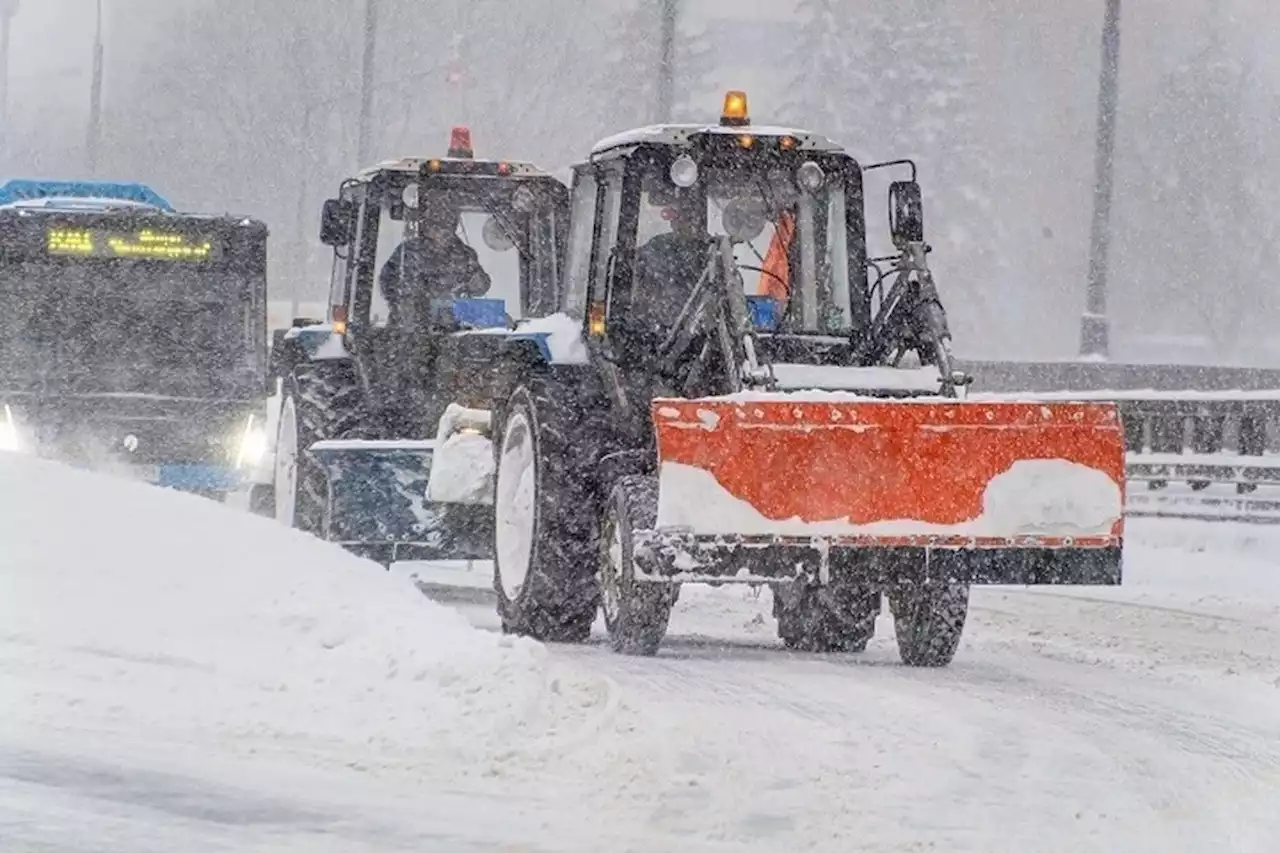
{"points": [[321, 400], [546, 516], [929, 621], [837, 617], [636, 613]]}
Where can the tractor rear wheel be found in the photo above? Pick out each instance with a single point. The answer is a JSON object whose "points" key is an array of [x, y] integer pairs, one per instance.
{"points": [[837, 617], [321, 400], [929, 619], [636, 613], [546, 523]]}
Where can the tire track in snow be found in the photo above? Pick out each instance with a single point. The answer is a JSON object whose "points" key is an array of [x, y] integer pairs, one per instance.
{"points": [[1132, 763]]}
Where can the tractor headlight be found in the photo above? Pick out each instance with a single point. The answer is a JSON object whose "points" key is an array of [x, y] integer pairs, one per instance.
{"points": [[10, 438], [810, 177], [252, 445], [684, 172]]}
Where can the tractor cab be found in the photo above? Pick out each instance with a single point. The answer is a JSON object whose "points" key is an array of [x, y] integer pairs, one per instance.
{"points": [[424, 247], [775, 215], [437, 261]]}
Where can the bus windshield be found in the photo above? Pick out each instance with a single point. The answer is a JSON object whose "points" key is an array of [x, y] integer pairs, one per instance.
{"points": [[83, 317]]}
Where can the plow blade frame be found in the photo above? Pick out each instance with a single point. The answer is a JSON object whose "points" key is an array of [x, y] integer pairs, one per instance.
{"points": [[665, 557], [783, 486], [377, 505]]}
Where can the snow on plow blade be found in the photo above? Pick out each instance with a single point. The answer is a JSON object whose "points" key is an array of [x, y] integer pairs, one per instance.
{"points": [[987, 492]]}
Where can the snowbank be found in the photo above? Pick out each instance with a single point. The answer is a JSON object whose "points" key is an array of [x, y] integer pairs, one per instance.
{"points": [[165, 618]]}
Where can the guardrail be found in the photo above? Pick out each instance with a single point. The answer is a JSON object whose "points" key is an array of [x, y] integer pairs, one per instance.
{"points": [[1203, 442]]}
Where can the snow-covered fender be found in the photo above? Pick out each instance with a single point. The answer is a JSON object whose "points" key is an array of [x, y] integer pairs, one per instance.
{"points": [[553, 340], [462, 463], [318, 342]]}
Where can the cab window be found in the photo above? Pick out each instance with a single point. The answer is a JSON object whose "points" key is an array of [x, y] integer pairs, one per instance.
{"points": [[578, 253]]}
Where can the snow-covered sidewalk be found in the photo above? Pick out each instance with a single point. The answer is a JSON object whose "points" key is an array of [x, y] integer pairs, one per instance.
{"points": [[130, 612]]}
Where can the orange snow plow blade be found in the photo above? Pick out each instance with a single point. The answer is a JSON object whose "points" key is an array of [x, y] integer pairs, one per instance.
{"points": [[1011, 482]]}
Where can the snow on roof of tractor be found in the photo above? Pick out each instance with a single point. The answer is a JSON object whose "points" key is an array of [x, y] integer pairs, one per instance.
{"points": [[413, 165], [683, 134], [735, 120]]}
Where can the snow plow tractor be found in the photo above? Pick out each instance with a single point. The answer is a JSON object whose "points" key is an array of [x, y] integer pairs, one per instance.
{"points": [[747, 404], [435, 260]]}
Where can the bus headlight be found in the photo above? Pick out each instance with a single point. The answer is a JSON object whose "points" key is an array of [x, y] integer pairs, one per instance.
{"points": [[10, 438], [252, 446]]}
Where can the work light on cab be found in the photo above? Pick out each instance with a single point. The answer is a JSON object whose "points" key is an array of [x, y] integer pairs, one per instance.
{"points": [[735, 110], [810, 177], [684, 171]]}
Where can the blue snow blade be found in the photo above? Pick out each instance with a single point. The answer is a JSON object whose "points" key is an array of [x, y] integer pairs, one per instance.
{"points": [[28, 190], [764, 311], [189, 477], [377, 504], [541, 339], [480, 313]]}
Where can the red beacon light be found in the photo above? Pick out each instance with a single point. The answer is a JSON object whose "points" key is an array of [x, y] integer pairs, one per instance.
{"points": [[460, 143]]}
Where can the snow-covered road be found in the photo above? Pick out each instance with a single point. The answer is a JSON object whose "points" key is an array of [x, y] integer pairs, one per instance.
{"points": [[194, 696], [1068, 722]]}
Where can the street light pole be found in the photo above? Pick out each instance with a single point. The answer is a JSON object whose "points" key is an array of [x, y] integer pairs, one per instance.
{"points": [[94, 136], [1094, 327], [670, 12], [8, 8], [365, 131]]}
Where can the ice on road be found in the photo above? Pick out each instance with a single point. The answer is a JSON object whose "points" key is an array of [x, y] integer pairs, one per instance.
{"points": [[175, 674]]}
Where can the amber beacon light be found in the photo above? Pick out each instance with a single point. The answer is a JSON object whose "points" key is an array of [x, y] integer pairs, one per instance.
{"points": [[734, 113]]}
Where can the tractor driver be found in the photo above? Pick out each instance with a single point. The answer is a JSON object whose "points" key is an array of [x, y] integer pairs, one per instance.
{"points": [[667, 268], [450, 268]]}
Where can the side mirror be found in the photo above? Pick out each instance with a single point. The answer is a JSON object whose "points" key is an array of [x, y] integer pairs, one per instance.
{"points": [[335, 222], [906, 213]]}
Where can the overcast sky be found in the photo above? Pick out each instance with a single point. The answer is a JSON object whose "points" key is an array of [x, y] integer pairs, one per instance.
{"points": [[212, 113]]}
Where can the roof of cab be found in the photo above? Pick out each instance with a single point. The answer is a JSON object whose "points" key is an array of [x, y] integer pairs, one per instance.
{"points": [[413, 165], [682, 135]]}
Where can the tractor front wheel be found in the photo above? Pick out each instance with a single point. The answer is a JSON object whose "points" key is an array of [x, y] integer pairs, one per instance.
{"points": [[322, 400], [636, 613]]}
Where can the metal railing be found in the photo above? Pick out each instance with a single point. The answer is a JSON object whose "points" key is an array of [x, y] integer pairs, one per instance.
{"points": [[1202, 442]]}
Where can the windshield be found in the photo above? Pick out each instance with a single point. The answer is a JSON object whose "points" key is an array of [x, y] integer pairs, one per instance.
{"points": [[789, 245], [470, 244], [84, 318]]}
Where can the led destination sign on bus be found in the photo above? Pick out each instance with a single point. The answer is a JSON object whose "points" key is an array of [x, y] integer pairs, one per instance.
{"points": [[145, 245]]}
